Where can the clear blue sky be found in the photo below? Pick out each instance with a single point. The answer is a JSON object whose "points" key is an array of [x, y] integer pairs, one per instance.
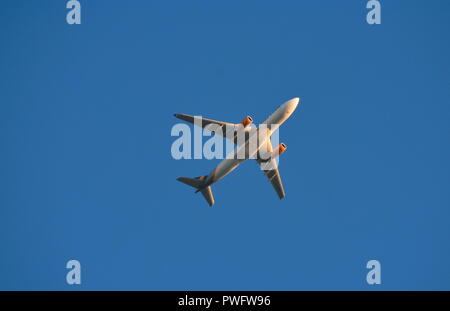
{"points": [[86, 171]]}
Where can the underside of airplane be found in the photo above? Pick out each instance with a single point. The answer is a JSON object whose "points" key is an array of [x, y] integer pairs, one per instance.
{"points": [[203, 184]]}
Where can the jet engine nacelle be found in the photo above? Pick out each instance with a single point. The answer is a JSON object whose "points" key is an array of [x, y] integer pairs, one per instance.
{"points": [[279, 150], [247, 121]]}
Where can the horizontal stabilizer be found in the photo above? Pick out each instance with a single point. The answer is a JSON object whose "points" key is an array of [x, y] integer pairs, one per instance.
{"points": [[207, 193], [193, 182], [198, 183]]}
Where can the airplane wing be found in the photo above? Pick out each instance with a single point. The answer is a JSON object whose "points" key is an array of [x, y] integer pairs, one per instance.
{"points": [[205, 122], [224, 129], [275, 179], [272, 173]]}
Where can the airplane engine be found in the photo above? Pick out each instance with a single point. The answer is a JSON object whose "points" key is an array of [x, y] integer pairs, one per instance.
{"points": [[279, 150], [247, 121]]}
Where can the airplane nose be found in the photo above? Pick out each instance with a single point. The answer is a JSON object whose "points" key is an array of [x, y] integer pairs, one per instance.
{"points": [[294, 103], [291, 104]]}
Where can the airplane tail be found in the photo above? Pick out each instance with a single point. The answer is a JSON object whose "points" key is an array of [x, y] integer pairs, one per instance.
{"points": [[198, 183]]}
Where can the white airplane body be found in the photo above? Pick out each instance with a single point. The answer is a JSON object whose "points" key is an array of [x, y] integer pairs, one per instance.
{"points": [[226, 166]]}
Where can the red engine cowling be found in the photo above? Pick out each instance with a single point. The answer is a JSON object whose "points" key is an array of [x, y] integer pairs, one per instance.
{"points": [[279, 150], [247, 121]]}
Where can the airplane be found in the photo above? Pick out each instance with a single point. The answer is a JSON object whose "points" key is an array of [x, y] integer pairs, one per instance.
{"points": [[203, 183]]}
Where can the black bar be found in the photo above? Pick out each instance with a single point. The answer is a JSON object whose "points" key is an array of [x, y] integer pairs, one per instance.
{"points": [[229, 300]]}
